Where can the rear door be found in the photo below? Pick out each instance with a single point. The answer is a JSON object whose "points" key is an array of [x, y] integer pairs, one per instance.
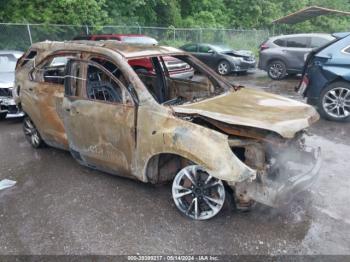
{"points": [[99, 117], [297, 48], [47, 89]]}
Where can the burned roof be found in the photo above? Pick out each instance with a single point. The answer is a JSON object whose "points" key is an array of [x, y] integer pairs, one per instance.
{"points": [[306, 14], [127, 50]]}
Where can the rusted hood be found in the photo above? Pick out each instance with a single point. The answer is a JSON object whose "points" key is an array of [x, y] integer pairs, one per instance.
{"points": [[254, 108]]}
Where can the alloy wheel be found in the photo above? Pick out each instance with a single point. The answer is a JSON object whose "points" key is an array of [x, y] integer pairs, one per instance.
{"points": [[276, 70], [223, 68], [336, 102], [197, 194], [31, 133]]}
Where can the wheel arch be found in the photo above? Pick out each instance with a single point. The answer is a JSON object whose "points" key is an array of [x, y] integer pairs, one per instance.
{"points": [[163, 167]]}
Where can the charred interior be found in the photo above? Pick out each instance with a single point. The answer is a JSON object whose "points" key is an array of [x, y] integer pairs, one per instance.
{"points": [[170, 89]]}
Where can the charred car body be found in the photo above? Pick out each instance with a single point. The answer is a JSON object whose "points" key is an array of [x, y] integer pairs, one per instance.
{"points": [[212, 139]]}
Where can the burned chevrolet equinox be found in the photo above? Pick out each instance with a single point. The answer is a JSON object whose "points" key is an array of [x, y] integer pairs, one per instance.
{"points": [[212, 139]]}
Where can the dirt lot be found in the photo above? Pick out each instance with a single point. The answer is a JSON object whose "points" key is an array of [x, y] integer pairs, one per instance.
{"points": [[60, 207]]}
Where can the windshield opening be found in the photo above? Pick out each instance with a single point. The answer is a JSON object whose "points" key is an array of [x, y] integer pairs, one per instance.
{"points": [[181, 79], [7, 63]]}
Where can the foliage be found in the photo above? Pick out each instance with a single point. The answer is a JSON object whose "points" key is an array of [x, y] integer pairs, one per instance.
{"points": [[246, 14]]}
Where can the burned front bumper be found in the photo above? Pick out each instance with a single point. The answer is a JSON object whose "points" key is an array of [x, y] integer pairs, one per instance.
{"points": [[276, 192]]}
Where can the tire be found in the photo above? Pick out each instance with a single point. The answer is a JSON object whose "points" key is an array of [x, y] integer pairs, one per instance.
{"points": [[197, 194], [3, 115], [32, 134], [276, 70], [334, 102], [223, 68]]}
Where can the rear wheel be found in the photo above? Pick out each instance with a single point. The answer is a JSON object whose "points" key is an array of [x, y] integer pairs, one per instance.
{"points": [[276, 70], [31, 133], [334, 102], [197, 194]]}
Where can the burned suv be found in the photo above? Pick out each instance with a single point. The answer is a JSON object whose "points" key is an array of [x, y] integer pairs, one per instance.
{"points": [[212, 139]]}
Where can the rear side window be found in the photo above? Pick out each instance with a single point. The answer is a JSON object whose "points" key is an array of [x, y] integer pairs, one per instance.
{"points": [[190, 48], [53, 70], [32, 54], [347, 50], [300, 42], [280, 42], [318, 41], [204, 49]]}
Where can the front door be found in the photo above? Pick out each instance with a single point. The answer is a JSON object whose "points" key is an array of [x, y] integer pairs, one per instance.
{"points": [[99, 117]]}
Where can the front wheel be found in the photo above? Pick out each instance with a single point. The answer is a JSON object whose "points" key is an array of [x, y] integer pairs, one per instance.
{"points": [[197, 194], [334, 101], [223, 68], [276, 70], [31, 133]]}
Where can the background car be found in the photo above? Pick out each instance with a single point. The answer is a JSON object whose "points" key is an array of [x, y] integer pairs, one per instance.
{"points": [[222, 58], [326, 79], [176, 68], [282, 55], [8, 60]]}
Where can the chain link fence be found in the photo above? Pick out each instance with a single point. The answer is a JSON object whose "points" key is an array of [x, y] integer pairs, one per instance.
{"points": [[21, 36]]}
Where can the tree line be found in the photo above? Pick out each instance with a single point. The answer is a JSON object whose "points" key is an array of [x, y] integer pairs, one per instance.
{"points": [[244, 14]]}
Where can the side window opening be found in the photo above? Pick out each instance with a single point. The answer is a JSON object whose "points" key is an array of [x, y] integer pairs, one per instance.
{"points": [[91, 80], [31, 56], [191, 48], [118, 74], [346, 50], [280, 42], [53, 70], [101, 87], [299, 42], [204, 49]]}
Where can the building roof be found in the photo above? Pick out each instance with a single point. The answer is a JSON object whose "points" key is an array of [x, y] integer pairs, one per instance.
{"points": [[306, 14]]}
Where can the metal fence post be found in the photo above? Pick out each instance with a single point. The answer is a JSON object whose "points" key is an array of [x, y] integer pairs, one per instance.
{"points": [[174, 34], [30, 34], [87, 29]]}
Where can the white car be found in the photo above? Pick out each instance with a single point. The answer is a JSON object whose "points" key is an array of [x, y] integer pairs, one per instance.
{"points": [[8, 60]]}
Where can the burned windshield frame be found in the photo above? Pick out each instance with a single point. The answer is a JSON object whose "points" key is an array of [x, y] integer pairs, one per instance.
{"points": [[217, 80]]}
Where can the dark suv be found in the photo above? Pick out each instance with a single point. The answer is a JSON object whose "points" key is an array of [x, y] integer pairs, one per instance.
{"points": [[326, 79], [282, 55]]}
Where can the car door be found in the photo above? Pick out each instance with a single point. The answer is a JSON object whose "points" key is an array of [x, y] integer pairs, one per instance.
{"points": [[99, 118], [47, 89], [296, 49], [206, 55]]}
